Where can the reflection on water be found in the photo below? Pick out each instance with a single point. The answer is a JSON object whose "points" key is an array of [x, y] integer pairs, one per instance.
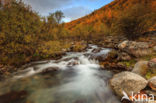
{"points": [[78, 80]]}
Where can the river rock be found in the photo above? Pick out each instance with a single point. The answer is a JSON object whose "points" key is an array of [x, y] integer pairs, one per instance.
{"points": [[96, 57], [152, 83], [136, 49], [154, 48], [73, 63], [128, 82], [123, 56], [150, 92], [64, 50], [97, 50], [152, 63], [115, 67], [141, 68], [13, 97], [1, 66], [50, 69], [113, 54], [123, 45], [99, 57]]}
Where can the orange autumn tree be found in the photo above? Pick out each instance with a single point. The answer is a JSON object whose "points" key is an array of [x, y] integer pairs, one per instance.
{"points": [[109, 14]]}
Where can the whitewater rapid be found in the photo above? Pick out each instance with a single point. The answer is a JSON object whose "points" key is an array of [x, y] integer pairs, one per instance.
{"points": [[79, 79]]}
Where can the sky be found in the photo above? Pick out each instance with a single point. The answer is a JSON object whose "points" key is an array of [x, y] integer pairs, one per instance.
{"points": [[72, 9]]}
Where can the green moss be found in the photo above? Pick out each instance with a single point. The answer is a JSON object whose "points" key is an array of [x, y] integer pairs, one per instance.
{"points": [[150, 74], [129, 63]]}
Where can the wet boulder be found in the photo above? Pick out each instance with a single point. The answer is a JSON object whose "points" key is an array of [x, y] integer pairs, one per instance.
{"points": [[128, 82], [141, 68], [73, 63], [100, 54], [99, 57], [50, 69], [97, 50], [152, 83], [136, 49], [113, 54]]}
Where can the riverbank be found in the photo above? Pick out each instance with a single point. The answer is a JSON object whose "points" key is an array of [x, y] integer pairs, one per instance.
{"points": [[127, 59], [117, 60], [69, 46], [134, 65], [72, 79]]}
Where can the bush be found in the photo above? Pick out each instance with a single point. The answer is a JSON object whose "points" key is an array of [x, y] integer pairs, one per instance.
{"points": [[51, 49], [48, 49], [79, 46], [132, 23], [25, 36]]}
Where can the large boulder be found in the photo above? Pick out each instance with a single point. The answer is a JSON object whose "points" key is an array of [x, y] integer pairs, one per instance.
{"points": [[141, 68], [136, 49], [152, 83], [128, 82]]}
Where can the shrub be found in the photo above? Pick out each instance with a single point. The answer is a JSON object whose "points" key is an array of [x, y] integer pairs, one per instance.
{"points": [[49, 49], [131, 23], [79, 46]]}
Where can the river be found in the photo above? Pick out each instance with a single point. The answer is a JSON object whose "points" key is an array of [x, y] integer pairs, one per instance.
{"points": [[76, 79]]}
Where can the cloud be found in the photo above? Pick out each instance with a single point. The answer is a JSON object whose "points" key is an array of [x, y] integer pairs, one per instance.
{"points": [[72, 9], [76, 12], [43, 6]]}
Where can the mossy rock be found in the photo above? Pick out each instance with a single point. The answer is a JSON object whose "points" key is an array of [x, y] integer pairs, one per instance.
{"points": [[151, 73], [129, 63], [112, 55]]}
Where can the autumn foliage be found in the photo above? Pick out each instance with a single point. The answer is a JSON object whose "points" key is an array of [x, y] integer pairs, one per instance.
{"points": [[120, 17], [26, 36]]}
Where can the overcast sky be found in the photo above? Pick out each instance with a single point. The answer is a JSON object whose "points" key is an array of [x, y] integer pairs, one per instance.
{"points": [[72, 9]]}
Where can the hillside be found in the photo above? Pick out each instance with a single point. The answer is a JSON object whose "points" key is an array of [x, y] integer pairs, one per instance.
{"points": [[110, 13]]}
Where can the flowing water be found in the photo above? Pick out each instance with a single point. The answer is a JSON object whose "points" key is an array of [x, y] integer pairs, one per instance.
{"points": [[77, 80]]}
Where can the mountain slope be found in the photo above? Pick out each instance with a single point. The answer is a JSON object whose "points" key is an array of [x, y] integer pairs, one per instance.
{"points": [[110, 13]]}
